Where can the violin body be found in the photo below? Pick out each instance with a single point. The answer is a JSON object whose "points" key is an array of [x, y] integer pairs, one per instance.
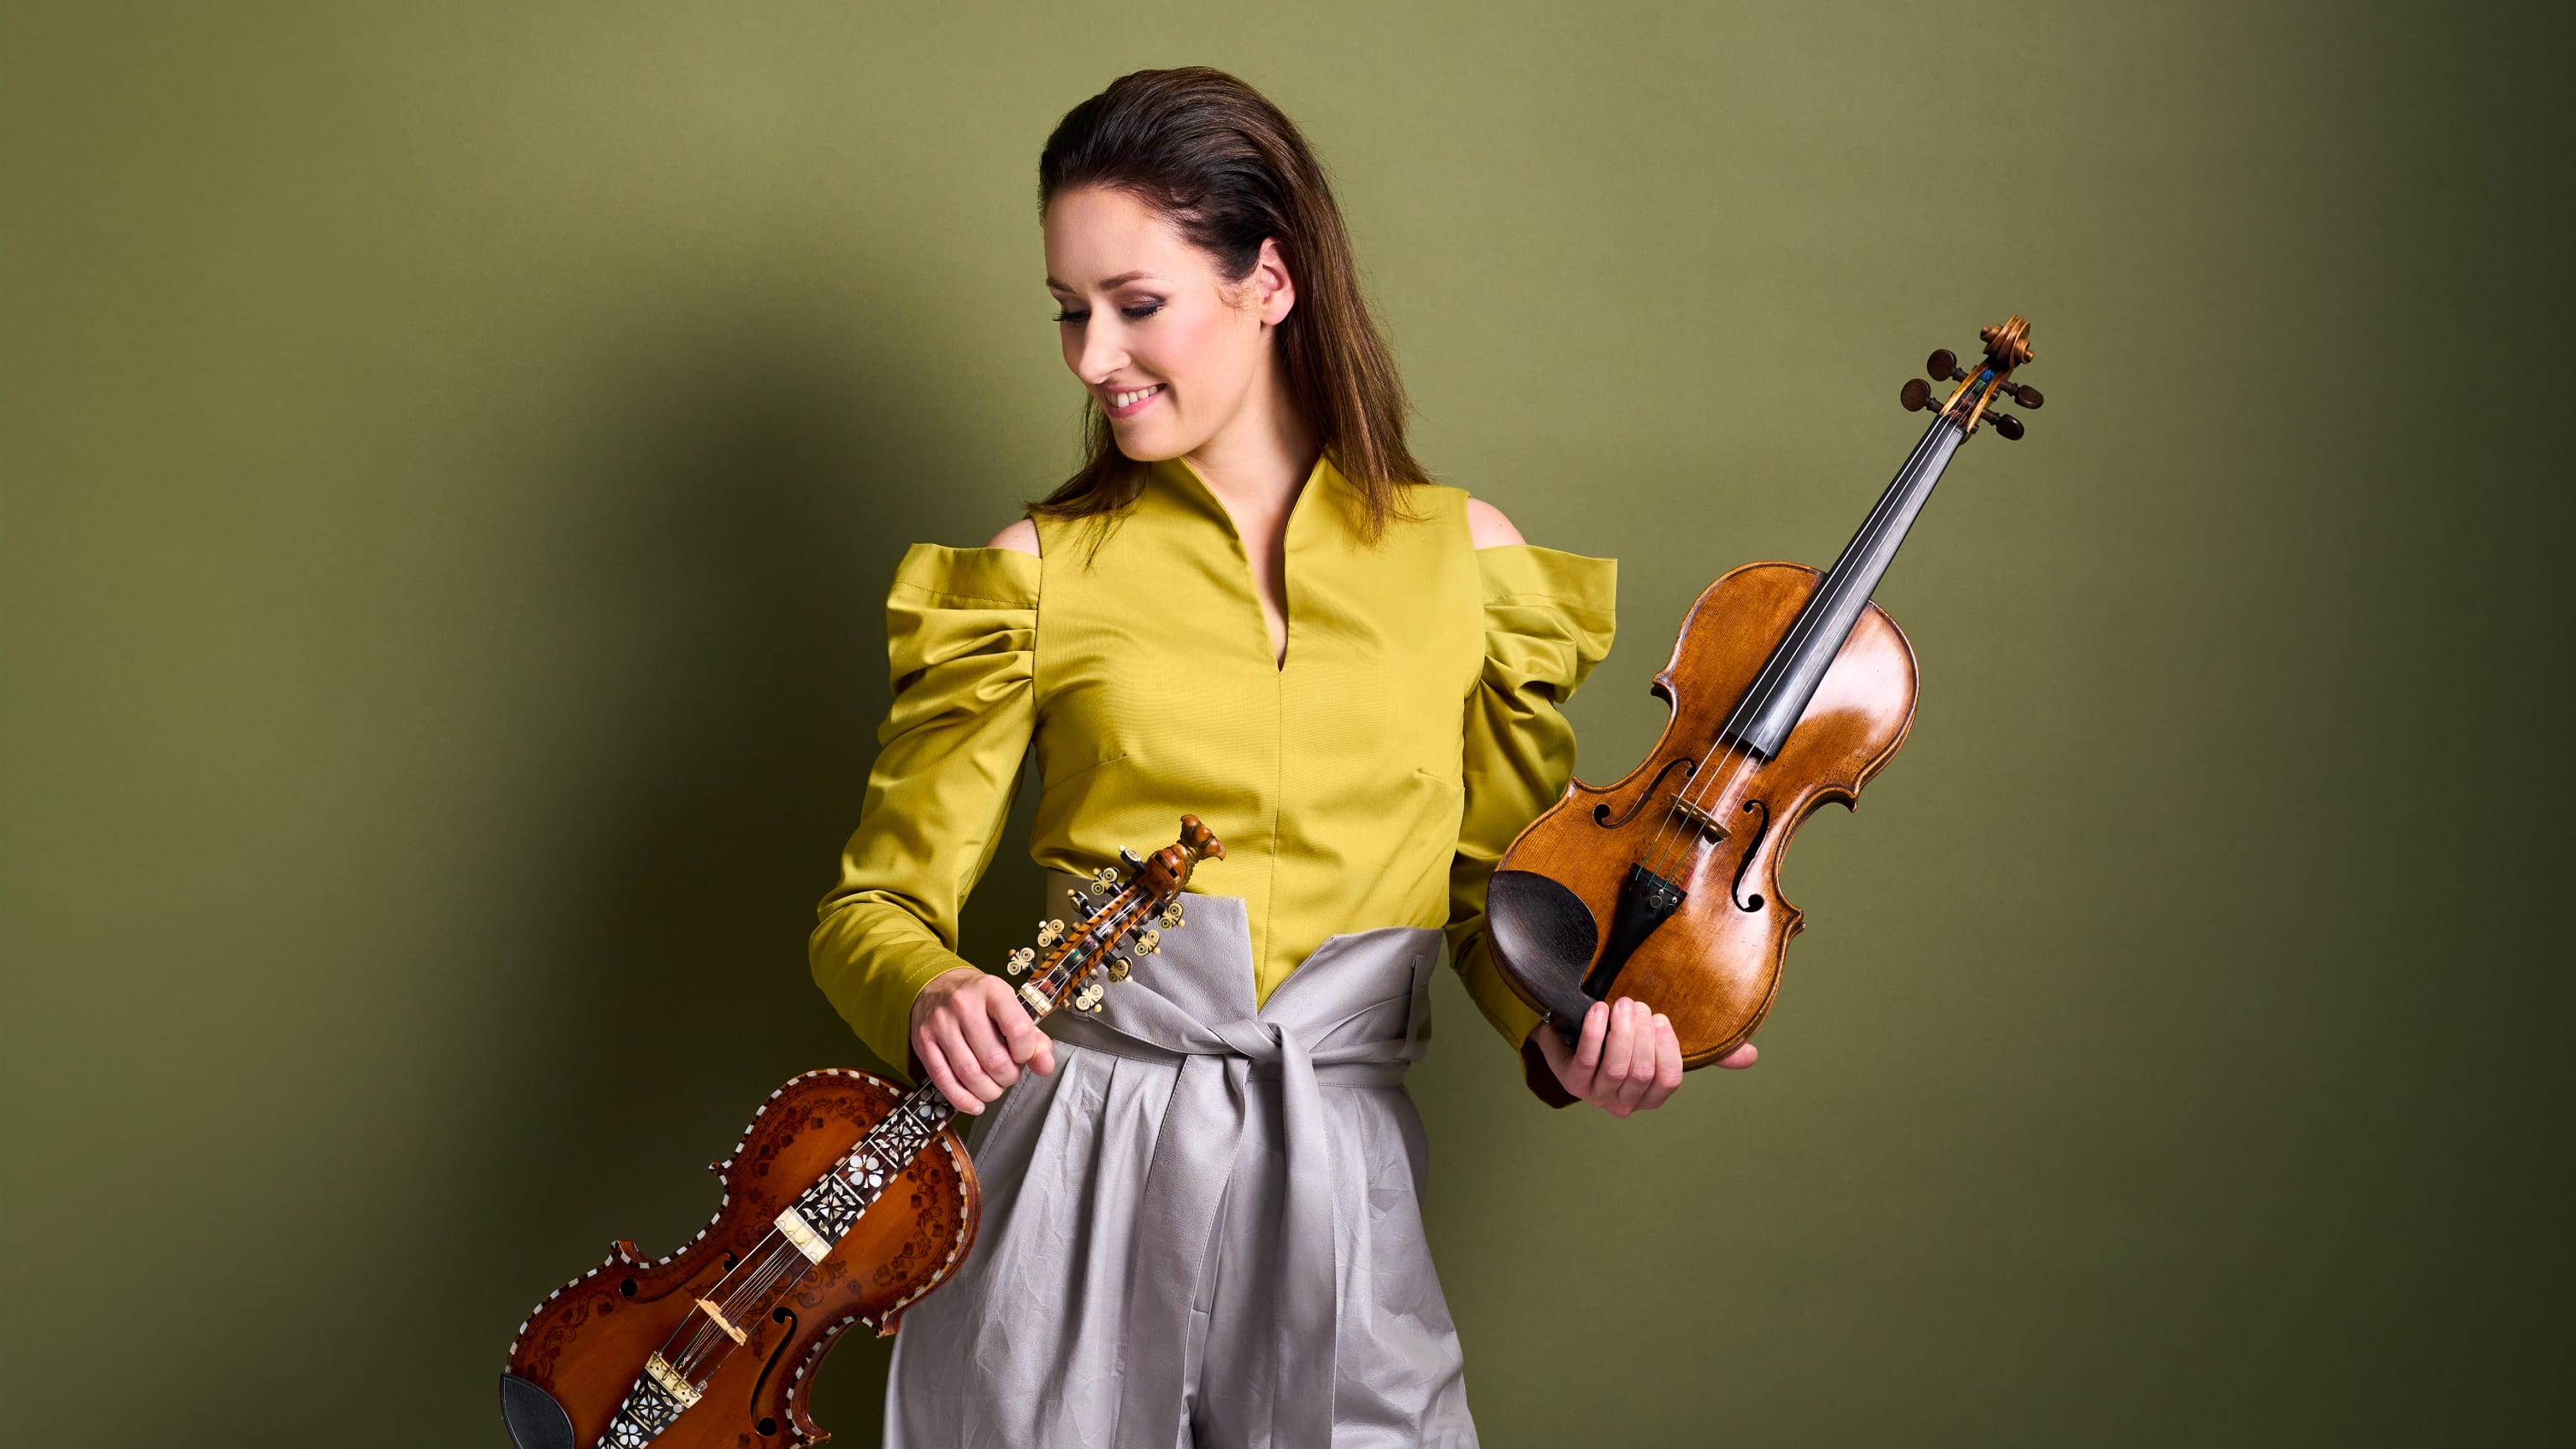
{"points": [[583, 1344], [1714, 967], [1789, 688]]}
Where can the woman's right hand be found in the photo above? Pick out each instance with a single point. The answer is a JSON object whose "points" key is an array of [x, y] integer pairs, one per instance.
{"points": [[973, 1037]]}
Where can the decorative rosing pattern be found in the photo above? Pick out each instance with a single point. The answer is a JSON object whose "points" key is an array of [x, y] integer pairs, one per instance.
{"points": [[832, 1206]]}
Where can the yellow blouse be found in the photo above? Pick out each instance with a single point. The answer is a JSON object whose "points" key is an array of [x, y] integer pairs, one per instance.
{"points": [[1372, 778]]}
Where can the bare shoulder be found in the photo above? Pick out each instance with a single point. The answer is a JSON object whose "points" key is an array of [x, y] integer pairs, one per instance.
{"points": [[1022, 537], [1488, 528]]}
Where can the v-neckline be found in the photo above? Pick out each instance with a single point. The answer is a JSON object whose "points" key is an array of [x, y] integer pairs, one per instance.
{"points": [[1243, 552]]}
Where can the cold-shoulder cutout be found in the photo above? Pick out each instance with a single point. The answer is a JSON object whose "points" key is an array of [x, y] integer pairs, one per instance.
{"points": [[1488, 528], [1549, 615], [1020, 537]]}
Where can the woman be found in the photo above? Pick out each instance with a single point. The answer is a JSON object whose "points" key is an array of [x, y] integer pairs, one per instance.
{"points": [[1200, 1219]]}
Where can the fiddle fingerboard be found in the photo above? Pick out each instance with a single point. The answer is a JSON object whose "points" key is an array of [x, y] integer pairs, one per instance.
{"points": [[832, 1206]]}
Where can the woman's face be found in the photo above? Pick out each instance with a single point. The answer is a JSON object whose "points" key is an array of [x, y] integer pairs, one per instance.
{"points": [[1172, 351]]}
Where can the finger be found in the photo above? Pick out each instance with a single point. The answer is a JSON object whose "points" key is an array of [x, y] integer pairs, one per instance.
{"points": [[986, 1044], [1019, 1034], [1740, 1058], [946, 1030], [1587, 1049], [1641, 1059], [1668, 1066], [1042, 1061], [935, 1063], [1618, 1048]]}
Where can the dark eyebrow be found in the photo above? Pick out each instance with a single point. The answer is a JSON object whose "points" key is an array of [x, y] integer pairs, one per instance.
{"points": [[1122, 279]]}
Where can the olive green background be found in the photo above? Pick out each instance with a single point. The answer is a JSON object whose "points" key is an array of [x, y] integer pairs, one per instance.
{"points": [[454, 459]]}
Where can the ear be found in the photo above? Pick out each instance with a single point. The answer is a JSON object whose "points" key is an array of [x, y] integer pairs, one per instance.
{"points": [[1272, 287]]}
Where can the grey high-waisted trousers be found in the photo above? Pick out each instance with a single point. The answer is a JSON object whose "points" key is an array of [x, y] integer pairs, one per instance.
{"points": [[1203, 1229]]}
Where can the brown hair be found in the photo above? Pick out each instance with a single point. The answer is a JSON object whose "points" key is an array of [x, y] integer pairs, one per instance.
{"points": [[1218, 159]]}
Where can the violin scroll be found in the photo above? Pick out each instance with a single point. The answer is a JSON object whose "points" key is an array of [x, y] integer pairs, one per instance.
{"points": [[1977, 399]]}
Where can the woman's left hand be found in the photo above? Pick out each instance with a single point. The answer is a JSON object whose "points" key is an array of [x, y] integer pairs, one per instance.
{"points": [[1627, 1059]]}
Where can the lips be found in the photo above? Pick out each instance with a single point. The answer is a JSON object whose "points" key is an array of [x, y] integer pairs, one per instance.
{"points": [[1126, 402]]}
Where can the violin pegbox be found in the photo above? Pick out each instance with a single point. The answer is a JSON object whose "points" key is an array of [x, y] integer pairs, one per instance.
{"points": [[1073, 966], [1979, 398]]}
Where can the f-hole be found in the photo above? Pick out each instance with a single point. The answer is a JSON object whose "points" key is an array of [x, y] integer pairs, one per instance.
{"points": [[1752, 848], [780, 1314], [1601, 812]]}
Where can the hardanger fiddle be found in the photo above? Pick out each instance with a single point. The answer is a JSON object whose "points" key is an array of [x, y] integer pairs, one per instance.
{"points": [[846, 1201]]}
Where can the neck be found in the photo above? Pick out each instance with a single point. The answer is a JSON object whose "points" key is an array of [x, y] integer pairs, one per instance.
{"points": [[1778, 696], [1259, 461]]}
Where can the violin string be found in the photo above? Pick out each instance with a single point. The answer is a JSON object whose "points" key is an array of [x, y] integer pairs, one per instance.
{"points": [[1767, 684], [1674, 832]]}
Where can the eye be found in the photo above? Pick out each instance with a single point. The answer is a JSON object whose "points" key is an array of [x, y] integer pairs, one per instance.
{"points": [[1067, 314], [1140, 311]]}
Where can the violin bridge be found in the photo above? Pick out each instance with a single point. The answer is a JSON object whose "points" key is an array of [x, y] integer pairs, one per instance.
{"points": [[1700, 819], [792, 1226], [736, 1334]]}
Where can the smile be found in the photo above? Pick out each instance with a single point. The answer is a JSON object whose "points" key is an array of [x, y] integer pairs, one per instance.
{"points": [[1126, 403]]}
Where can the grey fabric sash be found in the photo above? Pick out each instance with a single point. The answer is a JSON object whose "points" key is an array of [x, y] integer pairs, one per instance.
{"points": [[1355, 1013]]}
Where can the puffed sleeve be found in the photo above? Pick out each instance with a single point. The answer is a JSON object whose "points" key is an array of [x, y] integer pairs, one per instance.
{"points": [[961, 628], [1548, 619]]}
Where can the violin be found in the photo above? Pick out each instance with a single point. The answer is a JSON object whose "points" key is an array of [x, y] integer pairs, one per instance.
{"points": [[846, 1200], [1788, 689]]}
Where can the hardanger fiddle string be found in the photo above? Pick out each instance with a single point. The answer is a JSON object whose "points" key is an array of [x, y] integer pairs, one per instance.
{"points": [[783, 1262]]}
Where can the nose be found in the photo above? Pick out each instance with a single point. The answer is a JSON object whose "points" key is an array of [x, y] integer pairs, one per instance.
{"points": [[1103, 352]]}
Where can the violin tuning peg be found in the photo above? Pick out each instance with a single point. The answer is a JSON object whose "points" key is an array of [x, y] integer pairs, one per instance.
{"points": [[2028, 397], [1149, 943], [1171, 916], [1117, 968], [1916, 395], [1020, 961], [1080, 901], [1943, 366], [1049, 932], [1105, 878], [2007, 425], [1132, 859]]}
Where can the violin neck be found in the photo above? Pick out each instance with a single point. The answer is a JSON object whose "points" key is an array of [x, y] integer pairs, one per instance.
{"points": [[1772, 704]]}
